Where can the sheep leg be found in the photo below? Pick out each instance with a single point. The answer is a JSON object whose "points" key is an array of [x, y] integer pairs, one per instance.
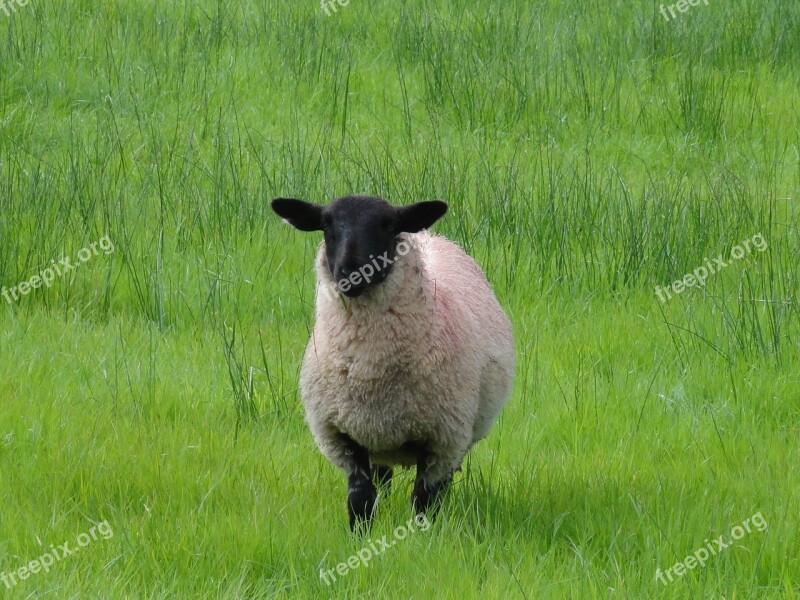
{"points": [[361, 493], [430, 486], [382, 476]]}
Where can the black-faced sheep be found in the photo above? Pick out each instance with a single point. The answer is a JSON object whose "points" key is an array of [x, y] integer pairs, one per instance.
{"points": [[411, 357]]}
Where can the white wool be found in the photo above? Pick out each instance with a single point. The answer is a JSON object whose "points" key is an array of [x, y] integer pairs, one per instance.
{"points": [[426, 356]]}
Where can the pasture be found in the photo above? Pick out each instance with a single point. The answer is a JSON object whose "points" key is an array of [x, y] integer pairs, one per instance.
{"points": [[154, 310]]}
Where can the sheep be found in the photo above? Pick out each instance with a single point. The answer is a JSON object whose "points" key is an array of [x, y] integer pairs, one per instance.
{"points": [[411, 357]]}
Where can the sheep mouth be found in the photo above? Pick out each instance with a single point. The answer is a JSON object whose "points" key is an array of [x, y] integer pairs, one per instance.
{"points": [[355, 290]]}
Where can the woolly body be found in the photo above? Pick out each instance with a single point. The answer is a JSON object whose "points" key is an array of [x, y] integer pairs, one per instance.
{"points": [[422, 363]]}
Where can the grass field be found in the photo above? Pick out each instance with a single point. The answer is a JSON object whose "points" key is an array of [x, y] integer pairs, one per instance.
{"points": [[590, 153]]}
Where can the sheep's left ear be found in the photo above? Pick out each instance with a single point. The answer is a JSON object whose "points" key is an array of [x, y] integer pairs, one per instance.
{"points": [[301, 215], [421, 215]]}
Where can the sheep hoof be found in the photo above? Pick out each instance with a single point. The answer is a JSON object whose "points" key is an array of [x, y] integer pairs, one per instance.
{"points": [[381, 476], [427, 498], [361, 502]]}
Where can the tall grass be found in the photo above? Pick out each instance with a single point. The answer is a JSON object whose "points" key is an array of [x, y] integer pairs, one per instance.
{"points": [[589, 152]]}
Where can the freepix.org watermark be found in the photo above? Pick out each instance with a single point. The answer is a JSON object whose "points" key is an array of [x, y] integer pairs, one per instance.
{"points": [[700, 274], [368, 552], [365, 272], [57, 553], [57, 268], [327, 5], [699, 557], [9, 6], [681, 5]]}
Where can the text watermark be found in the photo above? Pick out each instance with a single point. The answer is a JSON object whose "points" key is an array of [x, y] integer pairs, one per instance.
{"points": [[700, 274], [365, 272], [327, 5], [48, 559], [699, 557], [363, 556], [5, 5], [60, 268], [681, 5]]}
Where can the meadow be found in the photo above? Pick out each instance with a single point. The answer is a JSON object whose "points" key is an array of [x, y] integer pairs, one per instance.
{"points": [[591, 153]]}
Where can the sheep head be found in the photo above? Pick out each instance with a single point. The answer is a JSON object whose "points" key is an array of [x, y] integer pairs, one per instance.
{"points": [[361, 234]]}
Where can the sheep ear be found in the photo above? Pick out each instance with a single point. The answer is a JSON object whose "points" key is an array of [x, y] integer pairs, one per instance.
{"points": [[421, 215], [301, 215]]}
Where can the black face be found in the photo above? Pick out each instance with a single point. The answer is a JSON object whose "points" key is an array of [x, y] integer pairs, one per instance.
{"points": [[360, 234], [360, 240]]}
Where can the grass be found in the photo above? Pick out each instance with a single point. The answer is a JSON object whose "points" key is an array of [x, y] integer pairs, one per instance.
{"points": [[589, 152]]}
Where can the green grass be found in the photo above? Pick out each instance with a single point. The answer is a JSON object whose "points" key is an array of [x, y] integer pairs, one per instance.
{"points": [[589, 151]]}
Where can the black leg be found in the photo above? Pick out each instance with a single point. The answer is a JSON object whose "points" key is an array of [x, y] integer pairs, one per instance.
{"points": [[428, 495], [361, 493], [382, 476]]}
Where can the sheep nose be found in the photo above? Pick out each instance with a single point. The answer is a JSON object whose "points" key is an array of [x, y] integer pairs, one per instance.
{"points": [[351, 282], [350, 268]]}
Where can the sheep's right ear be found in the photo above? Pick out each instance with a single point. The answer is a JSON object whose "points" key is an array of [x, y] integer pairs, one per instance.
{"points": [[419, 216], [301, 215]]}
